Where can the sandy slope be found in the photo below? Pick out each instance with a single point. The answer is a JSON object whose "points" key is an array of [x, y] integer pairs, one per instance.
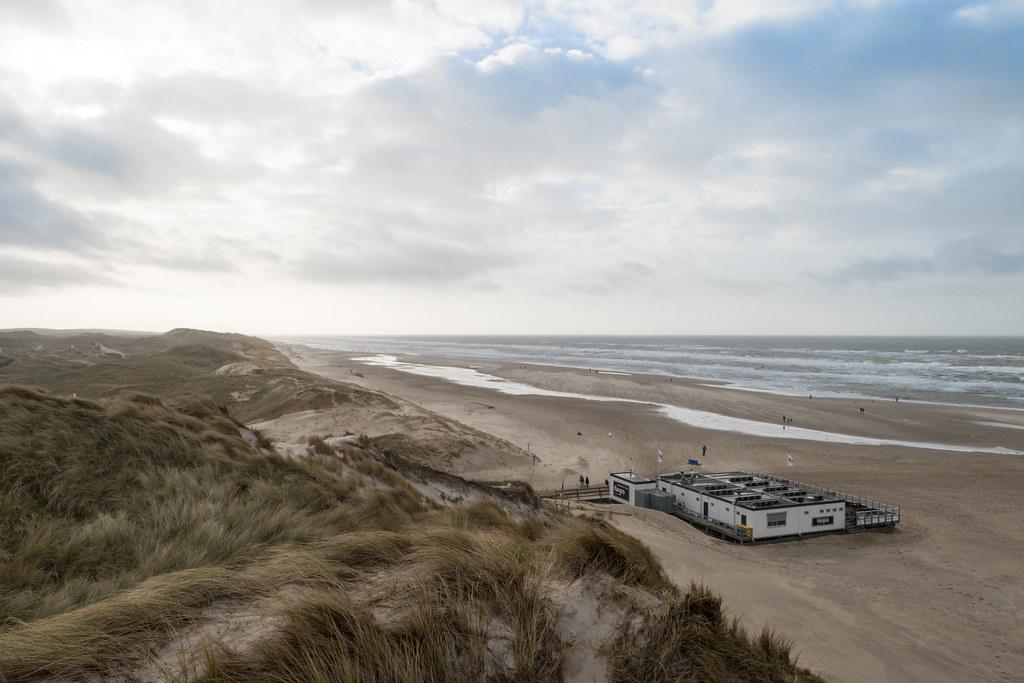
{"points": [[941, 599]]}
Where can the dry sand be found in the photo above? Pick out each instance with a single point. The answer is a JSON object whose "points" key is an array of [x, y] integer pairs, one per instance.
{"points": [[942, 598]]}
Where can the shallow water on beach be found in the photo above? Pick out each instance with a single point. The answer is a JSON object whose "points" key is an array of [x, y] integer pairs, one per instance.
{"points": [[697, 418], [985, 371]]}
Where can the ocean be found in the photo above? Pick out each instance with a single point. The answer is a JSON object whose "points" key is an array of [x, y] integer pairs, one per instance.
{"points": [[985, 371]]}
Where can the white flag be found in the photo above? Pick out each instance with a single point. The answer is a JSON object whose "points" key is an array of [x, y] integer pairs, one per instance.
{"points": [[789, 460], [661, 456]]}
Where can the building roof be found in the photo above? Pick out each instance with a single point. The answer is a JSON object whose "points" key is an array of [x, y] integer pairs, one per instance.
{"points": [[749, 491], [632, 477]]}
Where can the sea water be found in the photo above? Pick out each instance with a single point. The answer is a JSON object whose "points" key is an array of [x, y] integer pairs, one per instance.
{"points": [[985, 371], [473, 377]]}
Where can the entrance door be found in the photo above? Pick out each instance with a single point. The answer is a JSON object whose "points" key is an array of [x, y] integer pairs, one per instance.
{"points": [[705, 509]]}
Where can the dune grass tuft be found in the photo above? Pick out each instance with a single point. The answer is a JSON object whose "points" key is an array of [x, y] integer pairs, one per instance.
{"points": [[586, 545], [694, 640], [330, 639]]}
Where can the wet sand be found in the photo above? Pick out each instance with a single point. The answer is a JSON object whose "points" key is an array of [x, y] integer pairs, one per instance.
{"points": [[942, 598]]}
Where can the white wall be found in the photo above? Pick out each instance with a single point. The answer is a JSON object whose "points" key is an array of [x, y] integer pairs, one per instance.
{"points": [[799, 520], [837, 511], [633, 488], [684, 498]]}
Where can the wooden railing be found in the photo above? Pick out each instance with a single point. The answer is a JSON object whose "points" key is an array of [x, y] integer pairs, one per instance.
{"points": [[585, 493]]}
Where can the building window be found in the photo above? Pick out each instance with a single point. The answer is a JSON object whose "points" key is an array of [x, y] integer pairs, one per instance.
{"points": [[776, 519], [743, 520], [822, 521]]}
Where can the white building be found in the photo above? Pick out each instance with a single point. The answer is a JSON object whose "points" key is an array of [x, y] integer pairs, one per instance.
{"points": [[622, 486], [757, 506]]}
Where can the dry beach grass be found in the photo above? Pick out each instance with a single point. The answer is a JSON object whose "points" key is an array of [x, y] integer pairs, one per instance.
{"points": [[140, 538]]}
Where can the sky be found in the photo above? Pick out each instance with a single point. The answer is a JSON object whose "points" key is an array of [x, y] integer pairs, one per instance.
{"points": [[475, 167]]}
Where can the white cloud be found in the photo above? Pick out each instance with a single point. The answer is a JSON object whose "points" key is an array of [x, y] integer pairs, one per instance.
{"points": [[988, 12], [509, 55], [724, 15], [449, 167], [623, 47], [578, 55]]}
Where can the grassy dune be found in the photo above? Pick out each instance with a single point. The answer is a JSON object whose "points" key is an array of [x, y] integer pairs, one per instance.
{"points": [[129, 527], [248, 374]]}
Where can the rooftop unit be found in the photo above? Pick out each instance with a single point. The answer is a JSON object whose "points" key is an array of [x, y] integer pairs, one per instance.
{"points": [[761, 504]]}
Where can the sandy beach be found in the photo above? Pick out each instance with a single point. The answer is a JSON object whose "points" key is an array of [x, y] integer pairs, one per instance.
{"points": [[942, 598]]}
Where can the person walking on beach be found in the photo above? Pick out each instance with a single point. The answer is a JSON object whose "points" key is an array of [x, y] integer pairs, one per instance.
{"points": [[586, 482], [703, 451], [783, 422]]}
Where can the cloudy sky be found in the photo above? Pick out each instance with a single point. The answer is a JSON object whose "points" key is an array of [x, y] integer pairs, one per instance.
{"points": [[462, 166]]}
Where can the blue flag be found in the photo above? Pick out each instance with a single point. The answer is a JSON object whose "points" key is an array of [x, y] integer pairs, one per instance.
{"points": [[691, 461]]}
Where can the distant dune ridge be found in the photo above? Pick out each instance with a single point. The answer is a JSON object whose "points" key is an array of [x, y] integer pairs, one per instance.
{"points": [[149, 532]]}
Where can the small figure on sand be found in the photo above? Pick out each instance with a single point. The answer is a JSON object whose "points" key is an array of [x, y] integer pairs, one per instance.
{"points": [[586, 482], [703, 451], [783, 422]]}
